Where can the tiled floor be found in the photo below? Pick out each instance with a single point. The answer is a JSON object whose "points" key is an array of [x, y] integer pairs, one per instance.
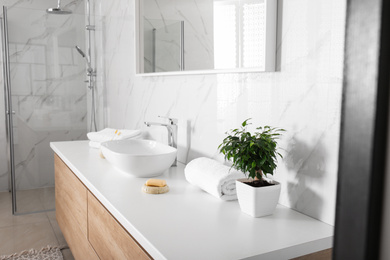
{"points": [[18, 233], [35, 200]]}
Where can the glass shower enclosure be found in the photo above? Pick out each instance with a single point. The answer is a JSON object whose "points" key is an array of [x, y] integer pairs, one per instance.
{"points": [[163, 45], [45, 98]]}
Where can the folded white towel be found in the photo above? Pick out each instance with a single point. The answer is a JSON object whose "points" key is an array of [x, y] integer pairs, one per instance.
{"points": [[108, 134], [94, 144], [213, 177]]}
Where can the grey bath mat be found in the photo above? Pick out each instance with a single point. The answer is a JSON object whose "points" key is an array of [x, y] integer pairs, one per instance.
{"points": [[46, 253]]}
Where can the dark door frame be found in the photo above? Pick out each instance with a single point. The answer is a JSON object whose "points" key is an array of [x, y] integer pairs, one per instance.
{"points": [[363, 135]]}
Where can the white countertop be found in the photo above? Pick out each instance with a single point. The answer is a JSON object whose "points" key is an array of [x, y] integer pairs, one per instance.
{"points": [[187, 223]]}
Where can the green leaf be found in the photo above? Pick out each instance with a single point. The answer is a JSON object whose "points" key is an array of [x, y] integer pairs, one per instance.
{"points": [[262, 161]]}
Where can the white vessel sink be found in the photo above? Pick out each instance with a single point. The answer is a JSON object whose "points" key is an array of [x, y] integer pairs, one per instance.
{"points": [[139, 158]]}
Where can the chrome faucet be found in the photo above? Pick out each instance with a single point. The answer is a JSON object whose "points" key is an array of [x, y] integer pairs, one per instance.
{"points": [[172, 132]]}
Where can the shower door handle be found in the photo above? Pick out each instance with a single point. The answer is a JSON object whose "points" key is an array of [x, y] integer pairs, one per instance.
{"points": [[12, 112]]}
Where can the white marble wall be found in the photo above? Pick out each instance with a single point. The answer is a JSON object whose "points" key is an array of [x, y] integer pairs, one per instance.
{"points": [[303, 96], [49, 95]]}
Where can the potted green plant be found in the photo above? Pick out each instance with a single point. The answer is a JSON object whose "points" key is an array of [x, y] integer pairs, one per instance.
{"points": [[255, 155]]}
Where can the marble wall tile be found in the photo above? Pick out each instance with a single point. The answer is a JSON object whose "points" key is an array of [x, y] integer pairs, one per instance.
{"points": [[303, 96], [3, 143], [66, 55], [32, 54], [38, 77], [12, 52], [21, 79], [26, 105]]}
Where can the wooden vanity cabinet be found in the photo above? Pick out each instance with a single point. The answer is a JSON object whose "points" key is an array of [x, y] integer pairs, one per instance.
{"points": [[110, 240], [88, 227], [71, 210]]}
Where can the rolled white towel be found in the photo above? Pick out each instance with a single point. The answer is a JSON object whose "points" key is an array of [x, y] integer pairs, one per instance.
{"points": [[213, 177], [108, 134]]}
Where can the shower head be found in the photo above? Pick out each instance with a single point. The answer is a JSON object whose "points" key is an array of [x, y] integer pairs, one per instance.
{"points": [[80, 51], [58, 9], [90, 70]]}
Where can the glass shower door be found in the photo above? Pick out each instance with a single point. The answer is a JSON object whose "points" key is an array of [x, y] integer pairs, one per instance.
{"points": [[47, 99], [163, 45]]}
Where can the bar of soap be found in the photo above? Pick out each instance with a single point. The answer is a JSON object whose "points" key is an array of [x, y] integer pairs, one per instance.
{"points": [[156, 183]]}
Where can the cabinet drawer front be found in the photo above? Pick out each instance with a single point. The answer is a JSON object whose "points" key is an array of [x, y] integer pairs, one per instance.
{"points": [[108, 237], [78, 243], [72, 192]]}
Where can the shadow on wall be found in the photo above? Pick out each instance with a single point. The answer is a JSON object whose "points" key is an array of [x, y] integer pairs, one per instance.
{"points": [[307, 161]]}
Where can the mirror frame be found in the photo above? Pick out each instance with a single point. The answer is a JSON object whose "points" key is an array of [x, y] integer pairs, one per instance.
{"points": [[270, 46]]}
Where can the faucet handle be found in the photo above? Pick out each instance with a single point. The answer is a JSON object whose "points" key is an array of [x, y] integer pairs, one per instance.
{"points": [[172, 121]]}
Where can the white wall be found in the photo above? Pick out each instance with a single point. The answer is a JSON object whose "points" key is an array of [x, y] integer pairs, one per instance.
{"points": [[303, 96]]}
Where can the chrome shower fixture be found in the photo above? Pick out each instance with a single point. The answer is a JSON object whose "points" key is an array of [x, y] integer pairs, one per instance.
{"points": [[80, 51], [90, 70], [58, 9]]}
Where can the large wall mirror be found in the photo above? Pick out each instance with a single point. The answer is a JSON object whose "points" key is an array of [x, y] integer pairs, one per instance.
{"points": [[205, 36]]}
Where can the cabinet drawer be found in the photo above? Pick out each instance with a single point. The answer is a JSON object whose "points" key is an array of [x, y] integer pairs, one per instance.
{"points": [[72, 192], [78, 243], [108, 237]]}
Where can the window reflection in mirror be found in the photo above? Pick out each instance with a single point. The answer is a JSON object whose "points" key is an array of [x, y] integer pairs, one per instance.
{"points": [[201, 35]]}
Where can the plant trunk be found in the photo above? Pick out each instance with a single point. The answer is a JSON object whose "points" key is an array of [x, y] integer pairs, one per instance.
{"points": [[261, 180]]}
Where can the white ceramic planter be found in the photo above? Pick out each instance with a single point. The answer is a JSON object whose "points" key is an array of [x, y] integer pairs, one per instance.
{"points": [[257, 202]]}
